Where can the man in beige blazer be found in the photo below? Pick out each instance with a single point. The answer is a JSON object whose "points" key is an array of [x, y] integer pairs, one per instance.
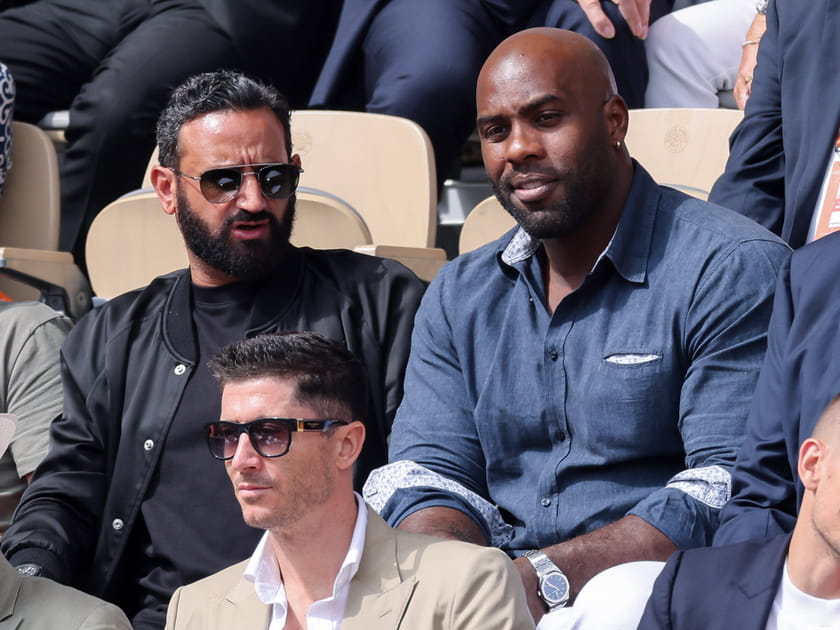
{"points": [[35, 603], [326, 560]]}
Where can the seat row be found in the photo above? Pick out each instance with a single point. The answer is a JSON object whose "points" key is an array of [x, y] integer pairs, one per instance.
{"points": [[368, 184]]}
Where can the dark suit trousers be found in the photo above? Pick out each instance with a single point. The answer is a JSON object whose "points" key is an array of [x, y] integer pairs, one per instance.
{"points": [[625, 52], [112, 63]]}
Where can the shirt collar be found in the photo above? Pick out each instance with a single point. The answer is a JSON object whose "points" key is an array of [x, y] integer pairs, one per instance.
{"points": [[629, 246], [263, 571]]}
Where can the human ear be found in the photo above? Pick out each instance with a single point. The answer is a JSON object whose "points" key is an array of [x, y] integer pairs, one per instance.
{"points": [[811, 453], [163, 181], [351, 438], [616, 118]]}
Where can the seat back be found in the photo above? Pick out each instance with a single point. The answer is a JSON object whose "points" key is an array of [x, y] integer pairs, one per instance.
{"points": [[324, 221], [486, 222], [131, 241], [30, 208], [381, 165], [682, 147]]}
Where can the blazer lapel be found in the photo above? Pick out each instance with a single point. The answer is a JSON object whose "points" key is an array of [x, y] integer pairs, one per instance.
{"points": [[10, 581], [754, 590], [242, 608], [378, 595]]}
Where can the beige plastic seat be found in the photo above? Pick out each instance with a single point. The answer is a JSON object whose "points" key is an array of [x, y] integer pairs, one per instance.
{"points": [[130, 242], [324, 221], [486, 222], [682, 147], [30, 208], [31, 268], [381, 165], [117, 264]]}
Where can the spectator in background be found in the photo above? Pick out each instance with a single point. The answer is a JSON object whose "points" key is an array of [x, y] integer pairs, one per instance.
{"points": [[127, 505], [787, 581], [694, 55], [800, 376], [420, 60], [784, 163], [293, 412], [34, 603], [576, 391], [7, 110], [112, 63], [31, 335]]}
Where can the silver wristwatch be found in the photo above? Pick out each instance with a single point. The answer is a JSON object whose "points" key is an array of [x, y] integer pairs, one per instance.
{"points": [[29, 568], [761, 7], [552, 585]]}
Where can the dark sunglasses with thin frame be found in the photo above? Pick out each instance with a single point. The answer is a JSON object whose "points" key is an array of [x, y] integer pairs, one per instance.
{"points": [[220, 185], [270, 437]]}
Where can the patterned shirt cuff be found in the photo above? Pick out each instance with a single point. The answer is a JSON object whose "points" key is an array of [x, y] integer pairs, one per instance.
{"points": [[711, 485], [387, 480]]}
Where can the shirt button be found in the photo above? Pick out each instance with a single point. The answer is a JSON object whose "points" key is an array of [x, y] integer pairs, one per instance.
{"points": [[553, 355], [180, 369], [117, 524], [545, 502], [148, 445]]}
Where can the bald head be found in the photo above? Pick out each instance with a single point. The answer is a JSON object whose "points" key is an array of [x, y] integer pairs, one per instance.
{"points": [[552, 130], [572, 61]]}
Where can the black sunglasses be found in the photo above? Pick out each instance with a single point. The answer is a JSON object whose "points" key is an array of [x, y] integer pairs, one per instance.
{"points": [[270, 437], [219, 185]]}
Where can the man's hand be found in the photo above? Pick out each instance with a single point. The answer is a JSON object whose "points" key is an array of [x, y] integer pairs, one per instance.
{"points": [[749, 55], [529, 581], [635, 12]]}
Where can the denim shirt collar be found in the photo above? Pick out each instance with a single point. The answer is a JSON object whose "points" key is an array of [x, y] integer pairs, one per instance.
{"points": [[629, 248]]}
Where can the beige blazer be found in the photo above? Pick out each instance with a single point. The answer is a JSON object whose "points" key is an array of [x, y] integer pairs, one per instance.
{"points": [[405, 581], [34, 603]]}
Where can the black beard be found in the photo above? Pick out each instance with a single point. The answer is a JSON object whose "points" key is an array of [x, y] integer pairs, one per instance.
{"points": [[560, 219], [244, 260]]}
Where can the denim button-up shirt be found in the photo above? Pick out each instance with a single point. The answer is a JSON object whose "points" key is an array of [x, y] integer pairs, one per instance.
{"points": [[630, 399]]}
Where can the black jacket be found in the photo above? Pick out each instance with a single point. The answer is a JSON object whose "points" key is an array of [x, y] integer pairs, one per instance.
{"points": [[125, 366]]}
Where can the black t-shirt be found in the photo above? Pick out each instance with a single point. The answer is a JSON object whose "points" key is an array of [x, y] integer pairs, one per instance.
{"points": [[191, 524]]}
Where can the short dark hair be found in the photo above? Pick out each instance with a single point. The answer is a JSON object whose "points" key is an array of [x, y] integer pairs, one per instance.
{"points": [[208, 92], [327, 376]]}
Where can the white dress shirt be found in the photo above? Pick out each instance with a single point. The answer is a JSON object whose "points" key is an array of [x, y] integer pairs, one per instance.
{"points": [[325, 614], [795, 610]]}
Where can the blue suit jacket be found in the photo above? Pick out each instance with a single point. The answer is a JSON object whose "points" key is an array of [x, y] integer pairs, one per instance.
{"points": [[717, 587], [799, 377], [779, 152]]}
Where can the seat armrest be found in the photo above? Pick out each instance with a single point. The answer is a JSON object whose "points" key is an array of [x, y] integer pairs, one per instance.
{"points": [[60, 282], [425, 262]]}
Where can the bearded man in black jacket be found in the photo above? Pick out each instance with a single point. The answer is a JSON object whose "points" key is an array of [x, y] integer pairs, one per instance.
{"points": [[127, 505]]}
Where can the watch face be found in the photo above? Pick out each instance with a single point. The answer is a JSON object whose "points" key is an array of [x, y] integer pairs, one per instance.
{"points": [[555, 588], [29, 569]]}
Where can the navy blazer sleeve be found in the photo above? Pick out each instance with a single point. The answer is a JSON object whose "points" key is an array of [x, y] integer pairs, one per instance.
{"points": [[754, 180], [764, 494], [799, 377]]}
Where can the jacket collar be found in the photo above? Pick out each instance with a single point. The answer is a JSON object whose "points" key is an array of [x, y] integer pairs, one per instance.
{"points": [[378, 594], [755, 586], [10, 581], [272, 298]]}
